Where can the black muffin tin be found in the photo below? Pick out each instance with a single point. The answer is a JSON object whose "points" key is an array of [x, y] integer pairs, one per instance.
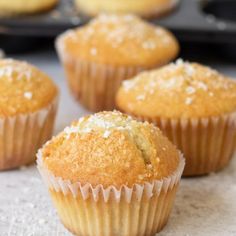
{"points": [[207, 21]]}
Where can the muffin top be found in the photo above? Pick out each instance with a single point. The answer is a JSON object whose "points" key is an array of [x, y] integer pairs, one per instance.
{"points": [[178, 90], [120, 40], [110, 148], [23, 88]]}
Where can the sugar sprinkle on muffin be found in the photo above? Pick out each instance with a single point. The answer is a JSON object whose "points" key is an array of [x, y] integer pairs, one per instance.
{"points": [[172, 89]]}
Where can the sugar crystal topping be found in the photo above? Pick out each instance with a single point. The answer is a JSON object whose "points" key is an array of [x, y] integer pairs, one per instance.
{"points": [[117, 29], [104, 122], [184, 77], [9, 70], [28, 95]]}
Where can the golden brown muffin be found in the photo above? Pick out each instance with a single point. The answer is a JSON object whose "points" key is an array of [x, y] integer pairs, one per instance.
{"points": [[111, 48], [23, 88], [13, 7], [27, 110], [108, 151], [184, 98], [146, 8]]}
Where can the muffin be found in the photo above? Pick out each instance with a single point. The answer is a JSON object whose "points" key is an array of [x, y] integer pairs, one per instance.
{"points": [[28, 100], [194, 106], [122, 174], [111, 48], [15, 7], [145, 8]]}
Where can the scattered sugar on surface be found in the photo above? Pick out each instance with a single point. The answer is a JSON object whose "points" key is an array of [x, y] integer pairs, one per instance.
{"points": [[27, 212]]}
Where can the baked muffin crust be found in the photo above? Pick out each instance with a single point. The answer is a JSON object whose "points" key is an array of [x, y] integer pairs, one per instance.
{"points": [[23, 88], [181, 89], [110, 148], [123, 40]]}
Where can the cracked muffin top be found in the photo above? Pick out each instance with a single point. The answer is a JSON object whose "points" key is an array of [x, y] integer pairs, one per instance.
{"points": [[23, 88], [119, 40], [110, 148], [178, 90]]}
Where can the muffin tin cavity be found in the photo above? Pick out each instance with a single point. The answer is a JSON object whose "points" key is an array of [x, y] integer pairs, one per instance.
{"points": [[221, 9]]}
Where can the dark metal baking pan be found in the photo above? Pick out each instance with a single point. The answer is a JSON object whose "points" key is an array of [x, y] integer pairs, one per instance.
{"points": [[193, 20]]}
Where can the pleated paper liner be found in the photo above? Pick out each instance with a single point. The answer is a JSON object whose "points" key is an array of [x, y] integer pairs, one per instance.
{"points": [[22, 135], [208, 144], [139, 210]]}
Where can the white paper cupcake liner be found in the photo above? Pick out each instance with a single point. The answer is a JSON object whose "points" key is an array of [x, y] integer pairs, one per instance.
{"points": [[129, 211], [87, 190], [22, 135], [208, 144]]}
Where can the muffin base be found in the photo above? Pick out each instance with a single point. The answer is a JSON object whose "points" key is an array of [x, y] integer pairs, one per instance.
{"points": [[22, 135], [139, 210], [208, 144]]}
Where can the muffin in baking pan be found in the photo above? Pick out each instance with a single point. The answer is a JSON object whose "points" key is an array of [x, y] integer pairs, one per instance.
{"points": [[28, 101], [19, 7], [108, 50], [115, 170], [145, 8], [195, 107]]}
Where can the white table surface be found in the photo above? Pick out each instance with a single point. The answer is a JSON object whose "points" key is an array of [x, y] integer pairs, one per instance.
{"points": [[204, 206]]}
